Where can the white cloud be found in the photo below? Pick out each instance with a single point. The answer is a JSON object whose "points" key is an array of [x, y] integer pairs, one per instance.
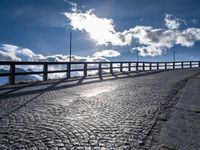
{"points": [[73, 5], [10, 52], [188, 37], [107, 53], [172, 22], [14, 53], [153, 41], [7, 53], [148, 50], [102, 30]]}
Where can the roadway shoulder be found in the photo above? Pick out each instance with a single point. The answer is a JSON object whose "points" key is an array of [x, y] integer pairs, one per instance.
{"points": [[182, 130]]}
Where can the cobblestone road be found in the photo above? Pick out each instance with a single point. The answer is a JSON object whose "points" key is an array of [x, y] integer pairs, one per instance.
{"points": [[64, 114]]}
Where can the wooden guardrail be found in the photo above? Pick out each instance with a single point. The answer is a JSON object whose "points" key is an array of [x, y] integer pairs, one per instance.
{"points": [[88, 66]]}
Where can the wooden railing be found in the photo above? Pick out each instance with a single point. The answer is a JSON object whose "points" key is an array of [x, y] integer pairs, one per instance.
{"points": [[89, 66]]}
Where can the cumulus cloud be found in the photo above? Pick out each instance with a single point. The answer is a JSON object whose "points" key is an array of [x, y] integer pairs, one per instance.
{"points": [[10, 52], [107, 53], [7, 53], [172, 22], [73, 5], [188, 37], [148, 50], [152, 41], [100, 29], [155, 41]]}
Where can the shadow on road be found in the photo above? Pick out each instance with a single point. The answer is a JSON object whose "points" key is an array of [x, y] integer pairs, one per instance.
{"points": [[38, 89], [53, 85]]}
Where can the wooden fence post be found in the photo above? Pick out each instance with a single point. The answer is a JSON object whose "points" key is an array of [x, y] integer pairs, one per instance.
{"points": [[165, 65], [143, 66], [150, 67], [12, 76], [111, 67], [173, 65], [136, 66], [157, 66], [85, 69], [129, 66], [199, 63], [68, 70], [121, 67], [100, 70], [182, 65], [190, 64], [45, 72]]}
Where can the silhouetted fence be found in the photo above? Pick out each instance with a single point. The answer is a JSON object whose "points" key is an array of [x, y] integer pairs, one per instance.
{"points": [[84, 67]]}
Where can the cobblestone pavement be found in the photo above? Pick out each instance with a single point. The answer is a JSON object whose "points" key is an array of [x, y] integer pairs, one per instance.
{"points": [[117, 113]]}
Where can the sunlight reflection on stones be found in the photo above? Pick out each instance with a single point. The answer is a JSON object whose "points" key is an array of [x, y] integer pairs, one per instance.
{"points": [[97, 91]]}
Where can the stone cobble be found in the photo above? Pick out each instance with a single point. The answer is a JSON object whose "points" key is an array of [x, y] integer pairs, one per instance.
{"points": [[114, 114]]}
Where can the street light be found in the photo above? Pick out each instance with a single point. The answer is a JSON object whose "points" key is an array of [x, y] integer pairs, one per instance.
{"points": [[70, 55]]}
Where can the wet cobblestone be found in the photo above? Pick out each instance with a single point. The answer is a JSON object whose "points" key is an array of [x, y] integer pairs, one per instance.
{"points": [[53, 115]]}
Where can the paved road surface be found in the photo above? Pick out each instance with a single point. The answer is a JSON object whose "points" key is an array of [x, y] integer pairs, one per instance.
{"points": [[119, 113], [182, 130]]}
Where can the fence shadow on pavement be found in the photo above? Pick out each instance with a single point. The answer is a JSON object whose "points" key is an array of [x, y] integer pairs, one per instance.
{"points": [[12, 91], [38, 89]]}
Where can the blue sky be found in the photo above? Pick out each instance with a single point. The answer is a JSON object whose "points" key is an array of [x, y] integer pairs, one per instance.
{"points": [[41, 26]]}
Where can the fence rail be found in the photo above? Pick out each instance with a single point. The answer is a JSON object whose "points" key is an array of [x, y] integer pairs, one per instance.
{"points": [[89, 66]]}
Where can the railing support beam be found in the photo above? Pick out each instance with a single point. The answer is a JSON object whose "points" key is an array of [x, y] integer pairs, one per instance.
{"points": [[143, 66], [100, 70], [165, 65], [150, 66], [111, 68], [121, 67], [45, 72], [12, 76], [129, 66], [69, 70], [136, 67], [85, 69]]}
